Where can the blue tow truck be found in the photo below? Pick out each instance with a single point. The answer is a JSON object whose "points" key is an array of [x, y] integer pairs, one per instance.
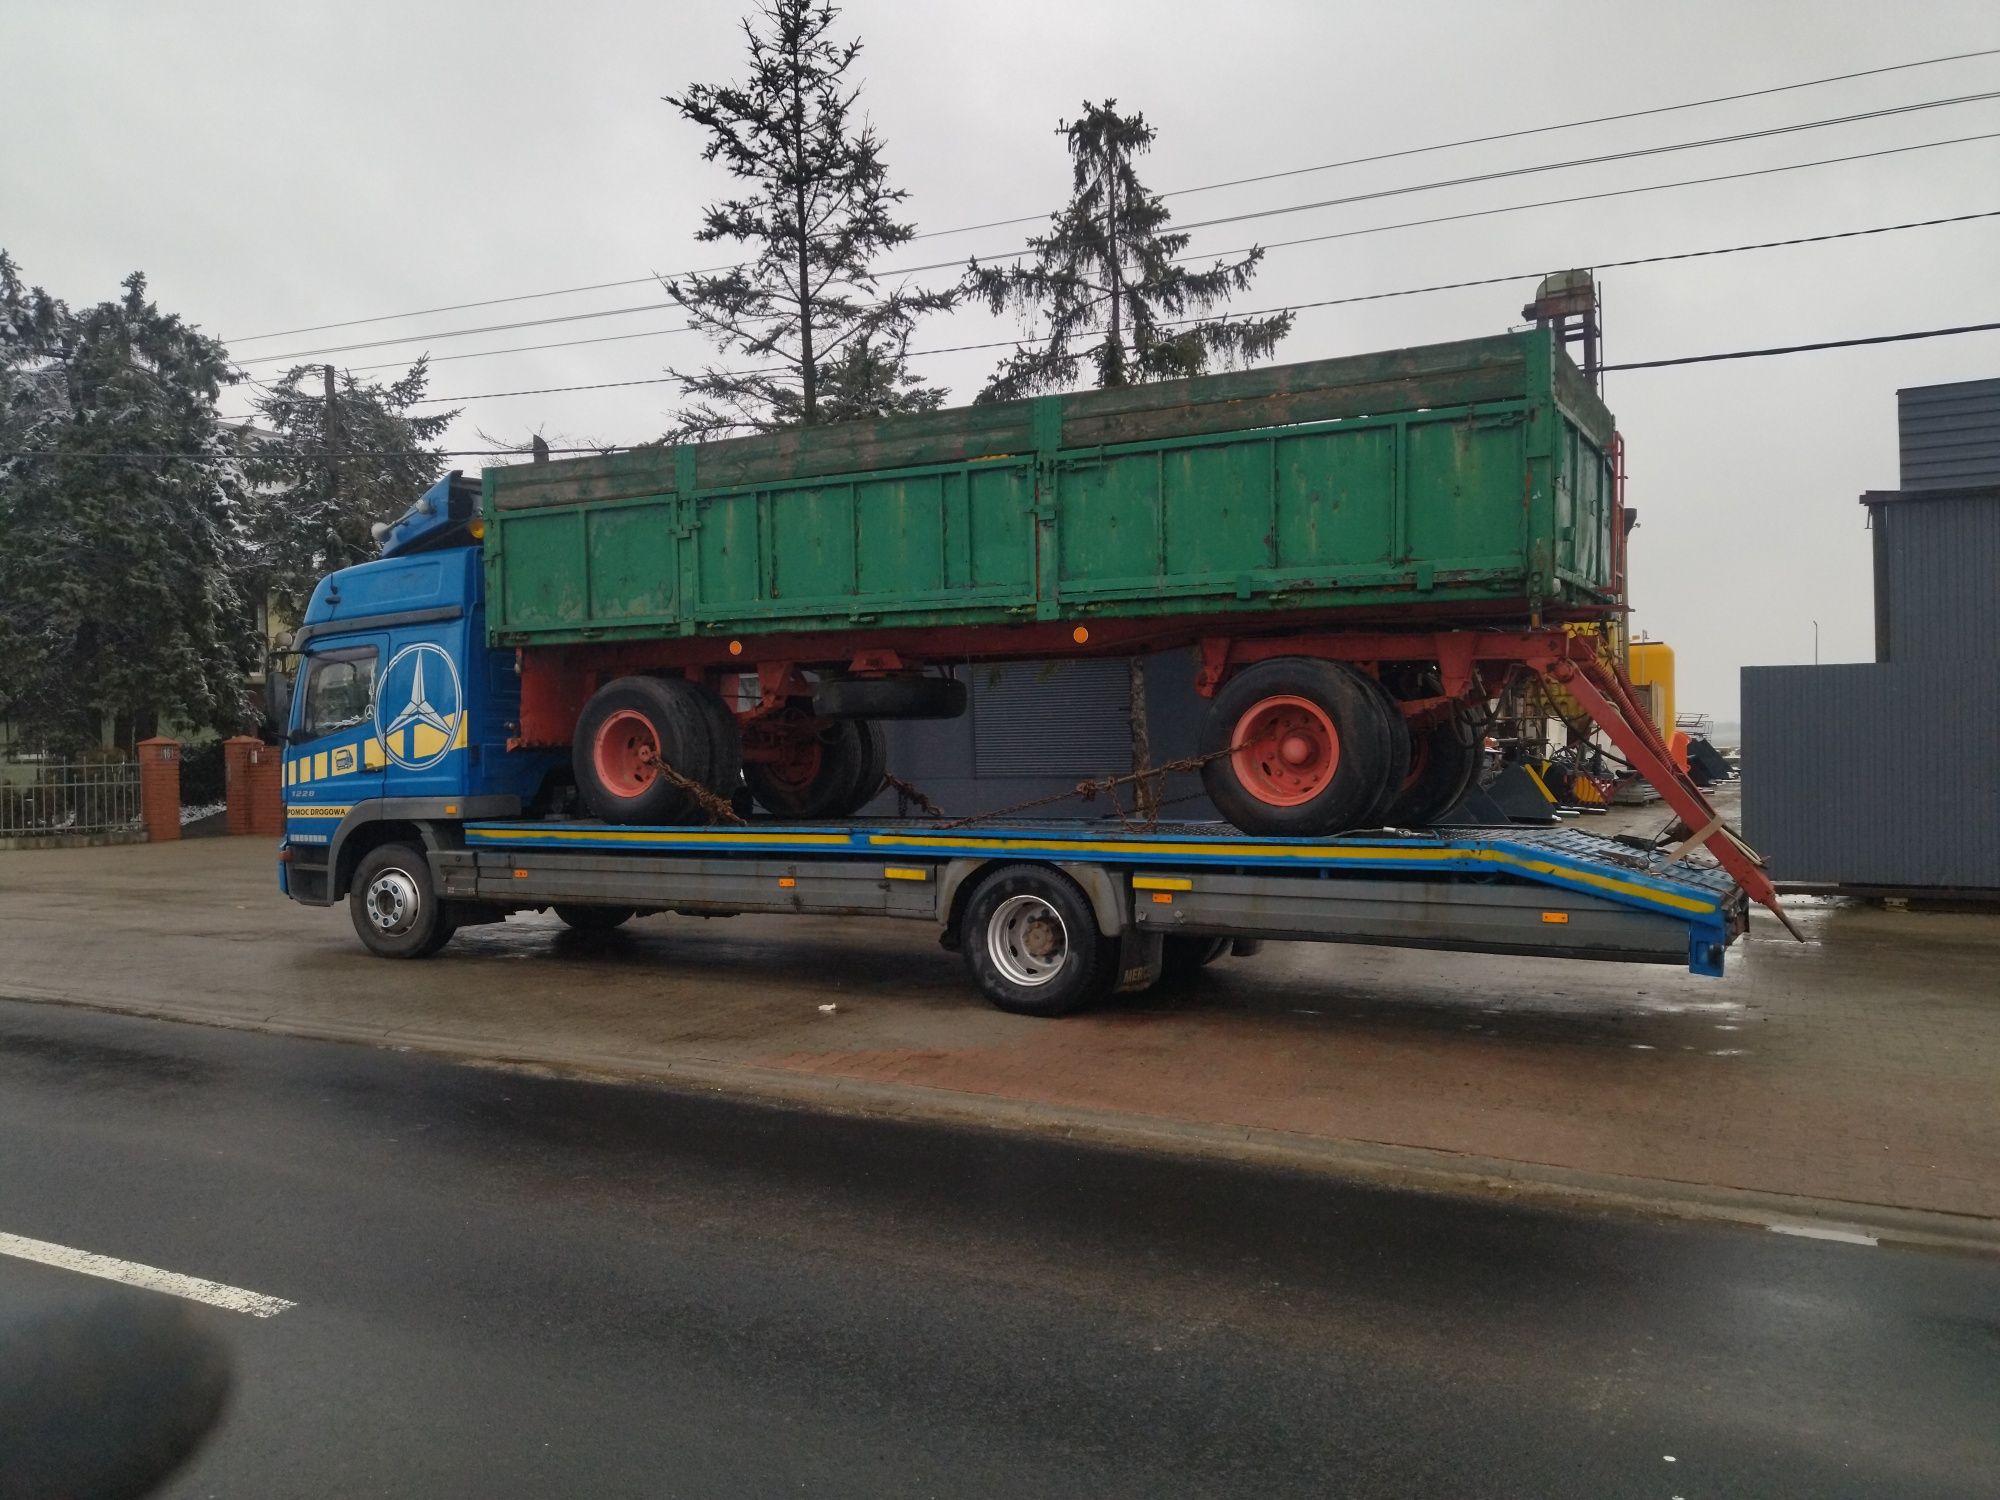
{"points": [[408, 797]]}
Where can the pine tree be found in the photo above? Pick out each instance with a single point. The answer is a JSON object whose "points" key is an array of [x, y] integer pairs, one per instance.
{"points": [[347, 454], [827, 342], [121, 523], [1109, 268]]}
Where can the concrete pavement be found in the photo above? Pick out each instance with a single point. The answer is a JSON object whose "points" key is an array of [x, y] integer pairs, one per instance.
{"points": [[508, 1285], [1852, 1078]]}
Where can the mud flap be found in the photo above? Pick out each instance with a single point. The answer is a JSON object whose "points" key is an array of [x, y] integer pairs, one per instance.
{"points": [[1140, 958]]}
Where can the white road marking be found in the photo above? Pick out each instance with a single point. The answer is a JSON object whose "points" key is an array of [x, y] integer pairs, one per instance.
{"points": [[1823, 1232], [153, 1279]]}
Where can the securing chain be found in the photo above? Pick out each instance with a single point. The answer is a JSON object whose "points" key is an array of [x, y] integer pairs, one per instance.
{"points": [[1153, 778], [912, 796], [716, 808]]}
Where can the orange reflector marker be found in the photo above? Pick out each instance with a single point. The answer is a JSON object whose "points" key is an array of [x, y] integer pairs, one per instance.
{"points": [[1079, 635], [451, 809], [735, 648], [1555, 917], [1163, 898], [786, 882], [520, 874], [477, 528]]}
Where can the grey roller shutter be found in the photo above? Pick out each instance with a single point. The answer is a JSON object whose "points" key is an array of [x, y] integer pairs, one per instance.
{"points": [[1051, 718]]}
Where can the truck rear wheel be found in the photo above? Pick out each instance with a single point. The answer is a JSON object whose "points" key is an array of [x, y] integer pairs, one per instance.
{"points": [[395, 906], [1300, 747], [1031, 942], [631, 729]]}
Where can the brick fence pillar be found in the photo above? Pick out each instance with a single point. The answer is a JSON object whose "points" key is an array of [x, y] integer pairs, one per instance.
{"points": [[160, 788], [265, 780], [236, 781]]}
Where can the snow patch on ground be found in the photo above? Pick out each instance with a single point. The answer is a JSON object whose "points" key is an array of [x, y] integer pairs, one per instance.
{"points": [[196, 814]]}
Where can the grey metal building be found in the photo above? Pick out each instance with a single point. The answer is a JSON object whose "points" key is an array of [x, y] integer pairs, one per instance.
{"points": [[1035, 729], [1886, 775]]}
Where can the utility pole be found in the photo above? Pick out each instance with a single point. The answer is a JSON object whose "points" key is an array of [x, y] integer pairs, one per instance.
{"points": [[330, 427], [1117, 288]]}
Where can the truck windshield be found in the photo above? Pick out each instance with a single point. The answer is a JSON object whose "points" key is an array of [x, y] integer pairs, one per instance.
{"points": [[340, 691]]}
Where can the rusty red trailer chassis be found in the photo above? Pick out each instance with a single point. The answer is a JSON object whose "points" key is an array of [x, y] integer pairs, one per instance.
{"points": [[1473, 665]]}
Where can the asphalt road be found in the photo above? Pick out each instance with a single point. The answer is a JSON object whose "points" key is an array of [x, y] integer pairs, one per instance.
{"points": [[518, 1285]]}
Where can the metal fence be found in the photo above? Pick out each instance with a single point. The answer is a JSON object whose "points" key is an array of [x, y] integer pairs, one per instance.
{"points": [[60, 798]]}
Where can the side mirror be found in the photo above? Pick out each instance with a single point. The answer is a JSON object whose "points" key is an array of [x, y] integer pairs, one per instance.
{"points": [[278, 698]]}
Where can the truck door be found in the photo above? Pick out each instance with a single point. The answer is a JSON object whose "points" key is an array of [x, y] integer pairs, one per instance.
{"points": [[334, 759]]}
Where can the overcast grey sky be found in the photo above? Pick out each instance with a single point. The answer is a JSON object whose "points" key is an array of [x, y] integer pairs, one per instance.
{"points": [[272, 166]]}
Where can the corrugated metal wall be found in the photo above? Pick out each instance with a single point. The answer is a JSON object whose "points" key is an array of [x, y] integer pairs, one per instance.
{"points": [[1939, 578], [1051, 718], [1875, 775], [1949, 434], [1035, 729]]}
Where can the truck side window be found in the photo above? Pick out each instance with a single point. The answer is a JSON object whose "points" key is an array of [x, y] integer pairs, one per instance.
{"points": [[340, 691]]}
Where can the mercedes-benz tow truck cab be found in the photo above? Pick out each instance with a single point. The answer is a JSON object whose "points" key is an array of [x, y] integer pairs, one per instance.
{"points": [[400, 716]]}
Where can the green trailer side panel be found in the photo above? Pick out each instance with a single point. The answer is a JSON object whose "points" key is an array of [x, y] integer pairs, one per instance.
{"points": [[1472, 473], [634, 563], [1336, 497], [1217, 510], [1000, 539], [1468, 477]]}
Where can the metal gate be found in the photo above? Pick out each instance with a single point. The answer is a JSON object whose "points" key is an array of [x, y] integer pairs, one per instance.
{"points": [[50, 799]]}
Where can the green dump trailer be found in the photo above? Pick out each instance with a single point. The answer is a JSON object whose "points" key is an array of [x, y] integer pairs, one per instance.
{"points": [[1345, 541], [1469, 479]]}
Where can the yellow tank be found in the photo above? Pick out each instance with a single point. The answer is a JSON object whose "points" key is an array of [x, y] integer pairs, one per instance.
{"points": [[1652, 671]]}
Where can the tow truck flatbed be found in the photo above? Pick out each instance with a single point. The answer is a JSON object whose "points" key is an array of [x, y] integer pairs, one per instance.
{"points": [[1555, 892]]}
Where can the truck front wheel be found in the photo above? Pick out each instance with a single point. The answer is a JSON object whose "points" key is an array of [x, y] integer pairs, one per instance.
{"points": [[1031, 943], [395, 905]]}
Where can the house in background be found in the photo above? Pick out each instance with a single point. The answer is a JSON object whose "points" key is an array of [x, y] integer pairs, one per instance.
{"points": [[1884, 776]]}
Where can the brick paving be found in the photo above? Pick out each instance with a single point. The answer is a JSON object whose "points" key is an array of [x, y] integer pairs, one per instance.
{"points": [[1862, 1068]]}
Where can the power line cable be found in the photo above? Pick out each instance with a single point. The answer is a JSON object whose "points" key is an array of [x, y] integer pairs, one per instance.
{"points": [[1880, 338], [1264, 213], [1646, 364], [1341, 234], [1605, 265], [314, 454], [1479, 140]]}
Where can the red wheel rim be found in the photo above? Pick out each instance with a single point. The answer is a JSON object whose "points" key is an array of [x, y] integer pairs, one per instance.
{"points": [[626, 753], [798, 763], [1285, 750]]}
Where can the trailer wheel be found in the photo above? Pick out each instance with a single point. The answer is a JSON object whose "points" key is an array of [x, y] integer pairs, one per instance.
{"points": [[1307, 748], [1396, 746], [594, 918], [630, 729], [874, 765], [822, 770], [1444, 760], [725, 745], [1031, 942], [395, 906]]}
